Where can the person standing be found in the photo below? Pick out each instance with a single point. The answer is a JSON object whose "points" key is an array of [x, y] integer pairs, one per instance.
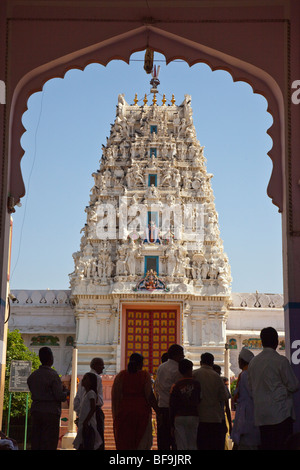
{"points": [[88, 437], [273, 383], [245, 435], [167, 374], [132, 399], [211, 408], [47, 394], [226, 422], [96, 367], [185, 397]]}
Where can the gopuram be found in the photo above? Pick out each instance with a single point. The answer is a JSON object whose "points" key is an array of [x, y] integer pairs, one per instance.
{"points": [[151, 269]]}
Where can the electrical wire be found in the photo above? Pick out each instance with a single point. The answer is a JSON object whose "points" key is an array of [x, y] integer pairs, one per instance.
{"points": [[28, 183]]}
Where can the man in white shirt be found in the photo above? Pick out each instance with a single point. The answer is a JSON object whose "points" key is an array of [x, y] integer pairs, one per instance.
{"points": [[97, 366], [167, 375], [273, 383]]}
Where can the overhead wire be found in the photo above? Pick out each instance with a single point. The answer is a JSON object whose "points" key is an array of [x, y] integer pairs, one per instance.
{"points": [[28, 183]]}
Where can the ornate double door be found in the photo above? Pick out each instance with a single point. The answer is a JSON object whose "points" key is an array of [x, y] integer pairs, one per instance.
{"points": [[150, 333]]}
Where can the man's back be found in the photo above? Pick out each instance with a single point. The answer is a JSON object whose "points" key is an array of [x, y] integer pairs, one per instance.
{"points": [[167, 375], [213, 395], [46, 390], [272, 383], [185, 397]]}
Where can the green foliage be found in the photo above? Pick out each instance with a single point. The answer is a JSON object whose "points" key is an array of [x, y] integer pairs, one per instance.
{"points": [[17, 351], [233, 386]]}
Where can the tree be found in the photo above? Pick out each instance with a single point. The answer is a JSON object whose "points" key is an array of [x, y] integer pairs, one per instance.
{"points": [[16, 350]]}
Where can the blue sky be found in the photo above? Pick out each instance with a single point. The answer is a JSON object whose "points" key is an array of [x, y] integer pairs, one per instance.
{"points": [[66, 125]]}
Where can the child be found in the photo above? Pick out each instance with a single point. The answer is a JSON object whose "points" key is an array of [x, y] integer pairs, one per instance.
{"points": [[88, 437], [185, 397]]}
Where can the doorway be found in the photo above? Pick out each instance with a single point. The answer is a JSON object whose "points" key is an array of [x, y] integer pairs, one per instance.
{"points": [[150, 332]]}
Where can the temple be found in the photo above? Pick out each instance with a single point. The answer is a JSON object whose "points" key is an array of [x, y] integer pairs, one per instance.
{"points": [[151, 269]]}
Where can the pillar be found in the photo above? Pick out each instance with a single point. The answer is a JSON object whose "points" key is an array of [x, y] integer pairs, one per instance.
{"points": [[68, 438], [291, 203]]}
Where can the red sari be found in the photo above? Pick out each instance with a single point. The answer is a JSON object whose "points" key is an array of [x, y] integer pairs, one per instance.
{"points": [[131, 408]]}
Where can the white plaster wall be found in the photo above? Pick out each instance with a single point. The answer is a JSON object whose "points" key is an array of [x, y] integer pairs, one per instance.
{"points": [[43, 313], [248, 315], [36, 313]]}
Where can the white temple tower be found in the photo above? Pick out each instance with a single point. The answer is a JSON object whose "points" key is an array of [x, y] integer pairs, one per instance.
{"points": [[151, 269]]}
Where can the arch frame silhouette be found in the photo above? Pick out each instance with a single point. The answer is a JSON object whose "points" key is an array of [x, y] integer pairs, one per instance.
{"points": [[277, 25], [121, 47]]}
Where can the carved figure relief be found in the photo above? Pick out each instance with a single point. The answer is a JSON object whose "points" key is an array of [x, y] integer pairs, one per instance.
{"points": [[146, 140]]}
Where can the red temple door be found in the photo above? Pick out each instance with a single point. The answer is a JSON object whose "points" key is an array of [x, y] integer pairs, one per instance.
{"points": [[150, 333]]}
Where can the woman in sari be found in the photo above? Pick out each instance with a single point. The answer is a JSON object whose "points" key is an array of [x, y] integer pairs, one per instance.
{"points": [[132, 398]]}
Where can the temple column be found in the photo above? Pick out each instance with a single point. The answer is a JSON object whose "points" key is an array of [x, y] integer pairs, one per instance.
{"points": [[115, 315], [92, 331], [107, 323], [186, 313], [81, 331]]}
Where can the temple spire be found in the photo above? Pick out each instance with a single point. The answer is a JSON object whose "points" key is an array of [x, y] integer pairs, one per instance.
{"points": [[151, 227]]}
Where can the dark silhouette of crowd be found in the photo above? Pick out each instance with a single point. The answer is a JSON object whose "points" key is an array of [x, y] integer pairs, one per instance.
{"points": [[193, 406], [196, 413]]}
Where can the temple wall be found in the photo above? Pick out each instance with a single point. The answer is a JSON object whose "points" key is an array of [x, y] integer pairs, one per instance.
{"points": [[48, 318]]}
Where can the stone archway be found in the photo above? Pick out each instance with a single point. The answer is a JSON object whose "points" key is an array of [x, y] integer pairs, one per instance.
{"points": [[274, 85]]}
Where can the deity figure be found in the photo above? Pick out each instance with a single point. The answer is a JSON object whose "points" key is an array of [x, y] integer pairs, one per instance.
{"points": [[167, 178], [131, 258], [152, 233], [197, 261], [121, 263], [121, 105], [176, 178], [171, 259], [204, 270]]}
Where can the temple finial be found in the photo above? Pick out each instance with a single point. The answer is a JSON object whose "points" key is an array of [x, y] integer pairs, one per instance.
{"points": [[154, 81]]}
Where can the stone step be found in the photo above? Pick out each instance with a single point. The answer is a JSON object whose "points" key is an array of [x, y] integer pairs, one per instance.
{"points": [[109, 433], [108, 428]]}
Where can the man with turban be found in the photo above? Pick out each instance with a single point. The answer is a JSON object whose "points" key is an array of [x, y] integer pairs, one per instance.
{"points": [[245, 434]]}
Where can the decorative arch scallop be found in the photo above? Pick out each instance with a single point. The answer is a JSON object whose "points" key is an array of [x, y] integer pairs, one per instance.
{"points": [[172, 47]]}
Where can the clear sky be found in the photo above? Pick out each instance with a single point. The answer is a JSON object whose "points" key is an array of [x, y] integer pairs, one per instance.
{"points": [[68, 122]]}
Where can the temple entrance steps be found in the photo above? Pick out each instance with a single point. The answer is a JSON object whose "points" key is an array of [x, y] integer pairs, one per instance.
{"points": [[108, 427], [109, 433], [107, 381]]}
